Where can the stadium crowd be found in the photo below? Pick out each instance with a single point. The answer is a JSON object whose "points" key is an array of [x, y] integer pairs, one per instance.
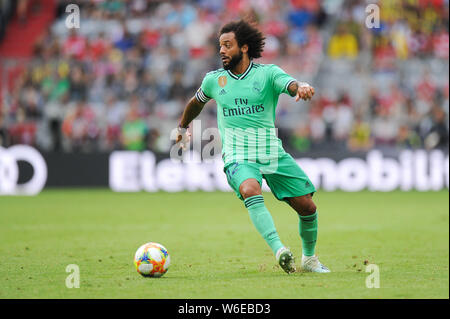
{"points": [[122, 80]]}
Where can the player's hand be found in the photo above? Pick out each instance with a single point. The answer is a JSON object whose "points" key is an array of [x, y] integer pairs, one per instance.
{"points": [[304, 92], [183, 137]]}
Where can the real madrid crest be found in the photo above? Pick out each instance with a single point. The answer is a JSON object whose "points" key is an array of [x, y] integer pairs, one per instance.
{"points": [[222, 81]]}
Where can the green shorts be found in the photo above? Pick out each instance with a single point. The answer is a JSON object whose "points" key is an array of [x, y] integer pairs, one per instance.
{"points": [[285, 178]]}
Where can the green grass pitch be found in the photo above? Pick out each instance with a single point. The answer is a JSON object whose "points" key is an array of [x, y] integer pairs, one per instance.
{"points": [[215, 250]]}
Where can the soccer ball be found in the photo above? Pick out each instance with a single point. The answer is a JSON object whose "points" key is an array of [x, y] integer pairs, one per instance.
{"points": [[152, 260]]}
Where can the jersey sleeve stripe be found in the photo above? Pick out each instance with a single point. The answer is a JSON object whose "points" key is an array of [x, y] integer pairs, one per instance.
{"points": [[289, 83], [201, 97], [206, 96]]}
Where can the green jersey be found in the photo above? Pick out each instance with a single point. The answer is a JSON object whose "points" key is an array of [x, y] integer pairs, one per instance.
{"points": [[246, 106]]}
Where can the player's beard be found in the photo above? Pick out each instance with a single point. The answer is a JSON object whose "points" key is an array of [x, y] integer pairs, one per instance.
{"points": [[234, 60]]}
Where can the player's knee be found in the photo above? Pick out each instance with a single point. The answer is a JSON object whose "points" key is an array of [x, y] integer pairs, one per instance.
{"points": [[309, 208], [250, 189]]}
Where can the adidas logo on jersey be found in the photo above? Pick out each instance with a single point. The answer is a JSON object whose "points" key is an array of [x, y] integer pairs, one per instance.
{"points": [[222, 92]]}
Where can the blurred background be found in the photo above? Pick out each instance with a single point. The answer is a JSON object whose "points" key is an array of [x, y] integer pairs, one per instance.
{"points": [[86, 113], [122, 80]]}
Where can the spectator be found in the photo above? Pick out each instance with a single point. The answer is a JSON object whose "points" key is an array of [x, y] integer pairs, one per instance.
{"points": [[4, 140], [385, 128], [75, 45], [22, 6], [344, 118], [407, 138], [126, 42], [134, 132], [77, 84], [360, 136], [80, 128], [114, 114], [98, 47], [343, 44], [438, 135], [300, 139], [22, 131]]}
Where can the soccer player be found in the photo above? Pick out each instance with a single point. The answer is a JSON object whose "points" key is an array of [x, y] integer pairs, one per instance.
{"points": [[246, 94]]}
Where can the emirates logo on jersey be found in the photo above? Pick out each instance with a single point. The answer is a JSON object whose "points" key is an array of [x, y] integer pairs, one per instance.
{"points": [[238, 111], [222, 81]]}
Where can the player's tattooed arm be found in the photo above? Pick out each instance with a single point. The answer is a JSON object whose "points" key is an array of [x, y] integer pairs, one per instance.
{"points": [[192, 110], [292, 88], [301, 90]]}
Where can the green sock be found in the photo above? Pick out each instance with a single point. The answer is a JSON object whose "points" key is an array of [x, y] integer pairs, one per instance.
{"points": [[263, 221], [308, 232]]}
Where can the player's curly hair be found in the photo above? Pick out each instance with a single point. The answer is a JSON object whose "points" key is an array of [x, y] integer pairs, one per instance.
{"points": [[246, 33]]}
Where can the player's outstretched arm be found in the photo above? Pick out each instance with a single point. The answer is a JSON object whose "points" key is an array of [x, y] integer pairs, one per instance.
{"points": [[192, 110], [301, 90]]}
